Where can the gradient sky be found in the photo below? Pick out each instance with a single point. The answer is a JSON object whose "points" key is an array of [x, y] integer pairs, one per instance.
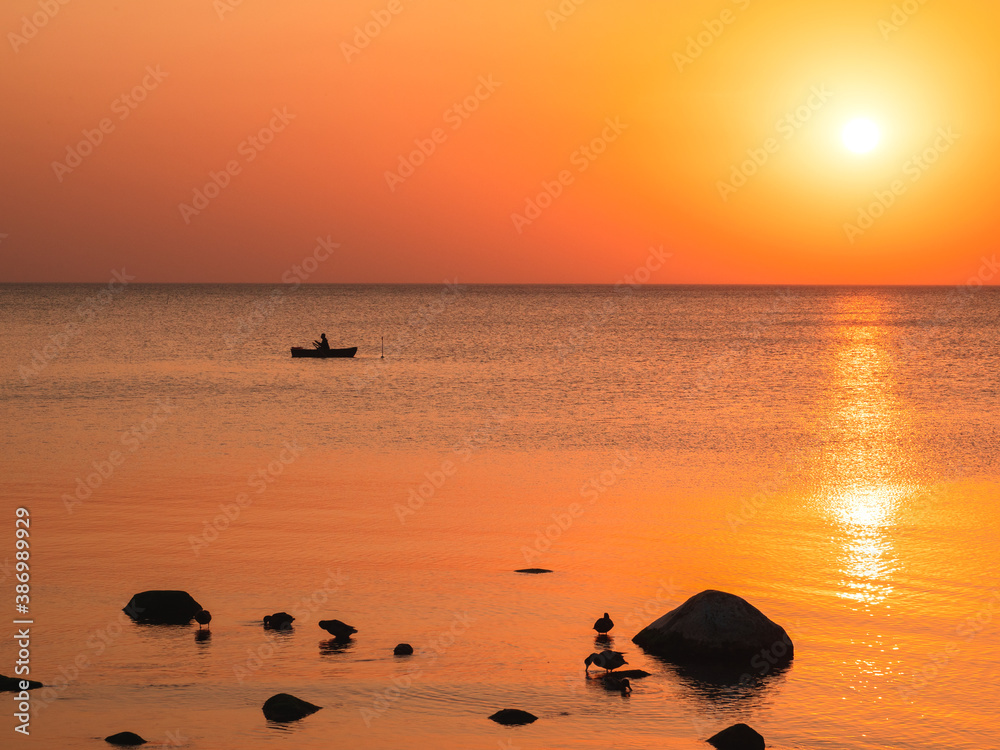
{"points": [[694, 89]]}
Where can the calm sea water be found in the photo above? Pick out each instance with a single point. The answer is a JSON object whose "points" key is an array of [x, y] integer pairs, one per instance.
{"points": [[830, 454]]}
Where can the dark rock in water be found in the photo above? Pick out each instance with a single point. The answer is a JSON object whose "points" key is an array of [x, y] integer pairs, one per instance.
{"points": [[403, 649], [513, 717], [278, 621], [339, 630], [13, 684], [716, 626], [285, 707], [737, 737], [162, 607], [125, 739], [533, 570]]}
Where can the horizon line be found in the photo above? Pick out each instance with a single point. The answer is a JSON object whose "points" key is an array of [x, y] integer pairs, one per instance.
{"points": [[456, 281]]}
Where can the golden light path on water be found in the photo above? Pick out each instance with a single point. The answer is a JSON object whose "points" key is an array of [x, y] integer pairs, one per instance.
{"points": [[867, 474]]}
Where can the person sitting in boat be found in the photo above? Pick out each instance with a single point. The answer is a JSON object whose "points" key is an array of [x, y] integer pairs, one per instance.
{"points": [[322, 343]]}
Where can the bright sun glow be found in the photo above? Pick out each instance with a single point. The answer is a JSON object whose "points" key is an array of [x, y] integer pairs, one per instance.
{"points": [[860, 135]]}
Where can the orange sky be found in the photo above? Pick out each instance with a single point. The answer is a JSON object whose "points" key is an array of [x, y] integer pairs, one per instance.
{"points": [[692, 91]]}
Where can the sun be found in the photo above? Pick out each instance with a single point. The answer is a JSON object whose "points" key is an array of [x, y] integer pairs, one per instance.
{"points": [[860, 135]]}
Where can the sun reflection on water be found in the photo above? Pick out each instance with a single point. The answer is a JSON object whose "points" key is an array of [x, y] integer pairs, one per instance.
{"points": [[866, 470], [864, 517]]}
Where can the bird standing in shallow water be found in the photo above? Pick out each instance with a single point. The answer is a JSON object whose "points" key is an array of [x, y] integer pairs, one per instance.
{"points": [[278, 621], [603, 624], [607, 659], [202, 617], [615, 683], [339, 630]]}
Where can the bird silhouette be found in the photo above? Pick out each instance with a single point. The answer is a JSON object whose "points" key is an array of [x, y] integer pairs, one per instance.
{"points": [[622, 684], [339, 630], [278, 621], [603, 624], [202, 617], [607, 659]]}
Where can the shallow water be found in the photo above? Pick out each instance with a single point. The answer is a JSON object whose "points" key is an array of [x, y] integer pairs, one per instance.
{"points": [[830, 454]]}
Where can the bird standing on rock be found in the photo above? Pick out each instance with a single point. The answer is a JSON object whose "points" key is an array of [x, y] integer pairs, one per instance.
{"points": [[603, 624], [607, 659], [202, 617], [339, 630]]}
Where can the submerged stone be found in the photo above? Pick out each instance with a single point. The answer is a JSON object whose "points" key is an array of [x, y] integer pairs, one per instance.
{"points": [[125, 739], [284, 707], [513, 717]]}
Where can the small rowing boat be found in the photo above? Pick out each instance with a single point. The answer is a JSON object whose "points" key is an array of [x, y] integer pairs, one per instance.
{"points": [[300, 351]]}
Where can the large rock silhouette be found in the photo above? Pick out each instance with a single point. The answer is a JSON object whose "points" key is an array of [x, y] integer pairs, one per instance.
{"points": [[162, 607], [714, 626]]}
